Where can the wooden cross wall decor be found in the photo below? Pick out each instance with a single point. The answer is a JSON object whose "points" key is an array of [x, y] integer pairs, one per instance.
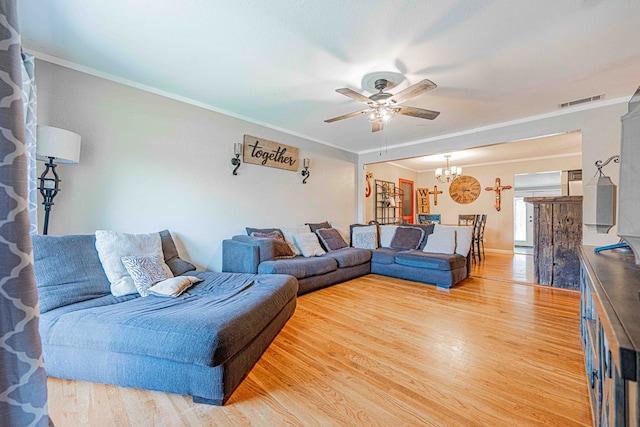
{"points": [[498, 188], [435, 193]]}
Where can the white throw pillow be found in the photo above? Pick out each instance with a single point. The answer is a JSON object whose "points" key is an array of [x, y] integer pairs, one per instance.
{"points": [[386, 235], [441, 242], [173, 287], [112, 246], [464, 237], [308, 244], [289, 233]]}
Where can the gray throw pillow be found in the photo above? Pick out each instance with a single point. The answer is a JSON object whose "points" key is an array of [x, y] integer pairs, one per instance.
{"points": [[407, 238], [261, 230], [281, 248], [177, 265], [318, 226], [428, 229], [331, 239]]}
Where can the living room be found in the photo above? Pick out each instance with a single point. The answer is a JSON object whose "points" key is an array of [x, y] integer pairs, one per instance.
{"points": [[156, 155]]}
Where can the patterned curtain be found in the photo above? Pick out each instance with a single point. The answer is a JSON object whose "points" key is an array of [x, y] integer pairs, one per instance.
{"points": [[29, 106], [23, 386]]}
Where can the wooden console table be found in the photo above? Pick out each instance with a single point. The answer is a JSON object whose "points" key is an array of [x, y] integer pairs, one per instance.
{"points": [[610, 331], [557, 234]]}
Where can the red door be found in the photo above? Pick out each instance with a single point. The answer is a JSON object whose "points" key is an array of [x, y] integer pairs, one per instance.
{"points": [[406, 201]]}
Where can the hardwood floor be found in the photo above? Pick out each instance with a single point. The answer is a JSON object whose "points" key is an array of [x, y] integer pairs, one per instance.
{"points": [[493, 351]]}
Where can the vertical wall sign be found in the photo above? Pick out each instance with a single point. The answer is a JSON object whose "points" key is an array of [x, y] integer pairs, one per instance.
{"points": [[263, 152], [422, 201]]}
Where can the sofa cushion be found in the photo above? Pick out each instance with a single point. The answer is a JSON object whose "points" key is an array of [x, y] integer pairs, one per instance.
{"points": [[251, 230], [299, 267], [417, 258], [112, 246], [331, 239], [206, 325], [407, 238], [384, 256], [441, 242], [145, 271], [349, 257], [317, 226], [176, 264], [464, 237], [386, 235], [67, 270], [364, 236], [308, 244], [428, 229], [281, 248], [289, 232]]}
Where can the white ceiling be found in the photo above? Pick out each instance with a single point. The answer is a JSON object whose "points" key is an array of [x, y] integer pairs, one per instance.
{"points": [[278, 62]]}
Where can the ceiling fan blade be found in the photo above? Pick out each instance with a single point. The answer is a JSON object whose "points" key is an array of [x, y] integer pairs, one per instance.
{"points": [[345, 116], [376, 126], [413, 90], [417, 112], [353, 95]]}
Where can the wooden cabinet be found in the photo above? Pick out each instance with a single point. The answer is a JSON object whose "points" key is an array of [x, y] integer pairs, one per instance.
{"points": [[557, 235], [610, 332]]}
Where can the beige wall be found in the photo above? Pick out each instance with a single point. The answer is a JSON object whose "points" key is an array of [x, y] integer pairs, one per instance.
{"points": [[385, 172], [150, 163], [600, 129]]}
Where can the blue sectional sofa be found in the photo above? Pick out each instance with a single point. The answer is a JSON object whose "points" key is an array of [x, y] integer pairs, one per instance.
{"points": [[248, 254], [201, 343]]}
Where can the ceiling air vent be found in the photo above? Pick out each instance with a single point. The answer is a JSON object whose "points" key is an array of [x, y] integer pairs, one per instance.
{"points": [[582, 101]]}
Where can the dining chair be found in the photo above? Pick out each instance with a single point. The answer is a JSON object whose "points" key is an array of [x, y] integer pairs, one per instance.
{"points": [[464, 219], [429, 218], [477, 243]]}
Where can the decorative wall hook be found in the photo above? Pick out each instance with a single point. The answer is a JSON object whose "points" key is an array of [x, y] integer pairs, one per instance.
{"points": [[367, 190], [237, 150], [305, 172], [600, 164]]}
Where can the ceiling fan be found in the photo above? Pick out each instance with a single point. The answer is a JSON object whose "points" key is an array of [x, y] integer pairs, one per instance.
{"points": [[383, 105]]}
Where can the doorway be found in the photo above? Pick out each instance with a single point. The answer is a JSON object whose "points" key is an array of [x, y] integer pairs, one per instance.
{"points": [[541, 184], [406, 201]]}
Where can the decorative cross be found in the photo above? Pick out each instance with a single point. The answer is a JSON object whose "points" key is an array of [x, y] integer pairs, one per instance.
{"points": [[435, 193], [498, 188]]}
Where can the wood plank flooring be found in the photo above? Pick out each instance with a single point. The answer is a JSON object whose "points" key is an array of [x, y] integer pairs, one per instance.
{"points": [[376, 351]]}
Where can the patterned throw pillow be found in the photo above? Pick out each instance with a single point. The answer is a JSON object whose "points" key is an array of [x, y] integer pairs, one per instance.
{"points": [[145, 271], [173, 287], [365, 237]]}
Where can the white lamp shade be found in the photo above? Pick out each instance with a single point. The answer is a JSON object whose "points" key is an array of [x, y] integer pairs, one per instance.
{"points": [[599, 207], [61, 144]]}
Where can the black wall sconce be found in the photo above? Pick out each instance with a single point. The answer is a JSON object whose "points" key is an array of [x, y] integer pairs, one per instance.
{"points": [[237, 150], [305, 172]]}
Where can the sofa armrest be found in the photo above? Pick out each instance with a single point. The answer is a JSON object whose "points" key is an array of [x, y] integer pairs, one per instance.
{"points": [[243, 254]]}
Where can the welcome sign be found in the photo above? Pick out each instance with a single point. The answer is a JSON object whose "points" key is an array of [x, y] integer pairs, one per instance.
{"points": [[263, 152]]}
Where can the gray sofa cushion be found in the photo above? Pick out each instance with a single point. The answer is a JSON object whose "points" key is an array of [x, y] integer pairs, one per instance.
{"points": [[299, 267], [416, 258], [349, 257], [236, 307], [67, 270], [384, 256], [330, 239], [427, 228], [177, 265], [407, 238]]}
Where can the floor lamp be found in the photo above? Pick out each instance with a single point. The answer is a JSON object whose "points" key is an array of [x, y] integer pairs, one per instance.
{"points": [[61, 146]]}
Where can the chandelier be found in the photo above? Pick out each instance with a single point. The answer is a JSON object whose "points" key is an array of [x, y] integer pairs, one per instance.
{"points": [[380, 113], [449, 173]]}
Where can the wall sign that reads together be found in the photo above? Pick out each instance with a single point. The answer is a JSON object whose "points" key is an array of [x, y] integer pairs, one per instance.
{"points": [[263, 152]]}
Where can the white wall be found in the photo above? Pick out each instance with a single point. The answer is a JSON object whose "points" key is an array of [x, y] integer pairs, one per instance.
{"points": [[149, 163], [600, 139]]}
